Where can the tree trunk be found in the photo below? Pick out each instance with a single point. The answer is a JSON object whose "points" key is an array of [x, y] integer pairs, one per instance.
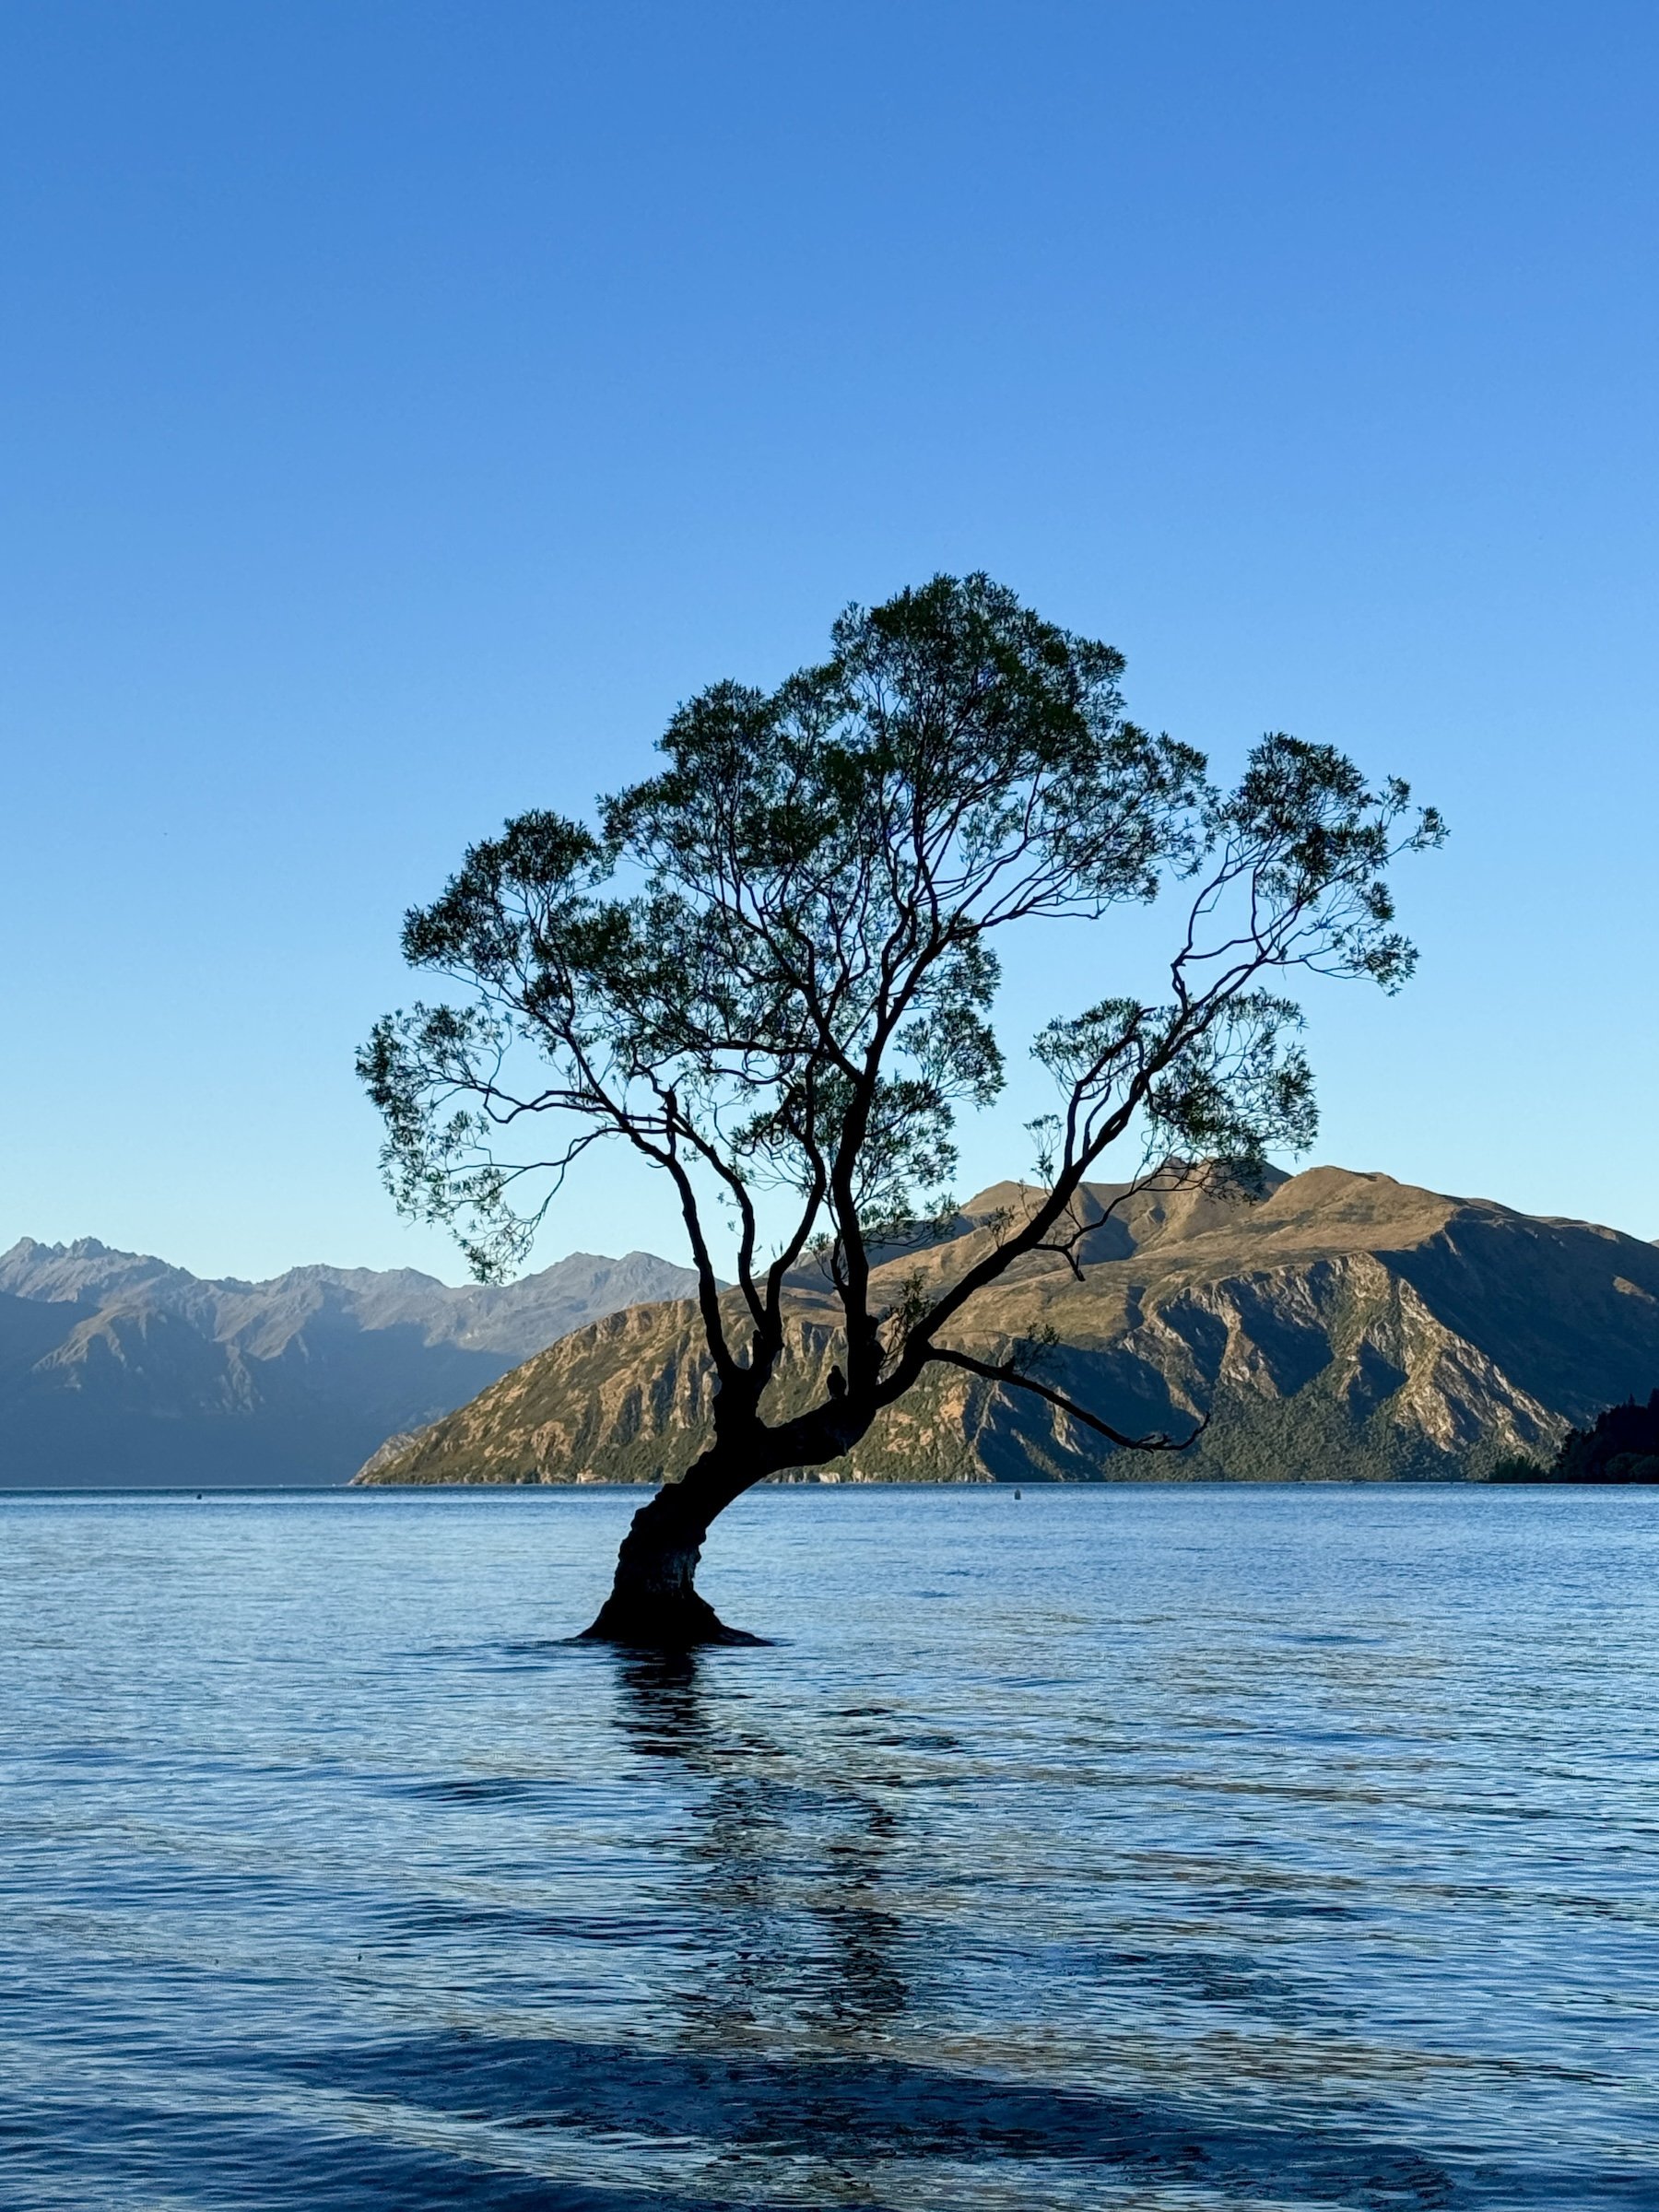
{"points": [[654, 1603]]}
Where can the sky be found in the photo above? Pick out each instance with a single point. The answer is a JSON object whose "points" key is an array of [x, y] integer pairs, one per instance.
{"points": [[404, 406]]}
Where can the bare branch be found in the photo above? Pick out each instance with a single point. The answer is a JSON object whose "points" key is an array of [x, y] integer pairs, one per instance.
{"points": [[1004, 1371]]}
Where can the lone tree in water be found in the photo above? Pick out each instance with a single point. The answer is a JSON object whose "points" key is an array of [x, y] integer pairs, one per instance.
{"points": [[769, 971]]}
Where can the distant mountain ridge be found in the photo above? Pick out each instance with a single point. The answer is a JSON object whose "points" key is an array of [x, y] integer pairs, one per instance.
{"points": [[1348, 1325], [118, 1368]]}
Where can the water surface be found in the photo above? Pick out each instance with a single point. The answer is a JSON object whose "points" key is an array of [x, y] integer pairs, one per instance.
{"points": [[1153, 1847]]}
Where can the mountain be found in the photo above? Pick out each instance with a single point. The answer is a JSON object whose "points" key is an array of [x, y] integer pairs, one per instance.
{"points": [[116, 1368], [1345, 1326]]}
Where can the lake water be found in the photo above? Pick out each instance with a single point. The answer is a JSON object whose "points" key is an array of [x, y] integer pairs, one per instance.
{"points": [[1152, 1847]]}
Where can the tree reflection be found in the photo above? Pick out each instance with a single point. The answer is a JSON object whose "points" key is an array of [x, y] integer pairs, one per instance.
{"points": [[786, 1865]]}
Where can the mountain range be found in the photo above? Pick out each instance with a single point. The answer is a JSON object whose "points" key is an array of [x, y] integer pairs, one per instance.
{"points": [[1342, 1325], [118, 1368]]}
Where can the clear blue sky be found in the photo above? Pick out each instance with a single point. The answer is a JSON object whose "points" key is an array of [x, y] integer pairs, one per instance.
{"points": [[404, 405]]}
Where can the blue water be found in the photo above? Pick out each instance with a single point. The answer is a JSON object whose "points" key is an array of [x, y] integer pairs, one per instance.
{"points": [[1148, 1847]]}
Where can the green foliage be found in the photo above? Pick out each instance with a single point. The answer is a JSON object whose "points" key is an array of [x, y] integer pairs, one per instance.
{"points": [[770, 968], [1621, 1445]]}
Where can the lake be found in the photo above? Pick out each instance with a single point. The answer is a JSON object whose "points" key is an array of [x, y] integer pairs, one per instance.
{"points": [[1143, 1846]]}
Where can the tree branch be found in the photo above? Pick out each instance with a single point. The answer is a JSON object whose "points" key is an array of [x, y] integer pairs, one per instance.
{"points": [[1005, 1371]]}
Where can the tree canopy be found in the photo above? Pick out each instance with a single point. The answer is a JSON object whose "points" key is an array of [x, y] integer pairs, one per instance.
{"points": [[1621, 1445], [770, 970]]}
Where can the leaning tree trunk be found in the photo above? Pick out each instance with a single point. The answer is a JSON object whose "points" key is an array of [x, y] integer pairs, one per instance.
{"points": [[653, 1601]]}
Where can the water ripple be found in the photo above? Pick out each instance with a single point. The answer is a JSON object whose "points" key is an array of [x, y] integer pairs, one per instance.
{"points": [[1188, 1849]]}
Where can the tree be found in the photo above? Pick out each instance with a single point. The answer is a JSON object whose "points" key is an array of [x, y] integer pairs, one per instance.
{"points": [[769, 970]]}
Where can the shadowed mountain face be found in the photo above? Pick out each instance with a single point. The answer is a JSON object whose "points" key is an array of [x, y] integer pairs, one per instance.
{"points": [[1348, 1325], [116, 1368]]}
